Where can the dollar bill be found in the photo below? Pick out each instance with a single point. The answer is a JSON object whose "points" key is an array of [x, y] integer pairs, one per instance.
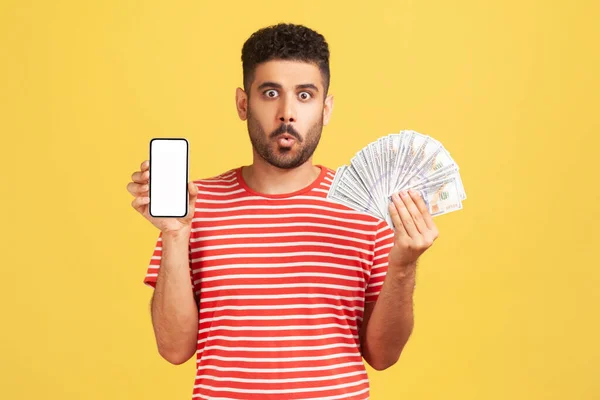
{"points": [[399, 161]]}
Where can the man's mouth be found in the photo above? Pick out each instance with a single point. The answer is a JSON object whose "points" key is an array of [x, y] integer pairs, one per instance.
{"points": [[286, 140]]}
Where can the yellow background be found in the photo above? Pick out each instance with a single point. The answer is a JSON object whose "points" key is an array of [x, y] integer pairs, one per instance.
{"points": [[507, 300]]}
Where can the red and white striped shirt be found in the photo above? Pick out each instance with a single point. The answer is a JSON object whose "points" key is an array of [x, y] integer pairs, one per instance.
{"points": [[282, 281]]}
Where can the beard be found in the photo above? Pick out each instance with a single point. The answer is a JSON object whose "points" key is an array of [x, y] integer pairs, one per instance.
{"points": [[283, 157]]}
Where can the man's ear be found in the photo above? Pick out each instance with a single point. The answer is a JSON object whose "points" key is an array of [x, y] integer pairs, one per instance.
{"points": [[327, 109], [241, 103]]}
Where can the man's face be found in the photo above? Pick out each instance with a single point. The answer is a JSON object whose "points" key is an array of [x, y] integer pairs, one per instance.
{"points": [[285, 112]]}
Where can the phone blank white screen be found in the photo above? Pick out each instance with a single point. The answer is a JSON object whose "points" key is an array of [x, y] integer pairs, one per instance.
{"points": [[168, 177]]}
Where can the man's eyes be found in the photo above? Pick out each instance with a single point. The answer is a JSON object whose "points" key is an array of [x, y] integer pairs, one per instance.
{"points": [[271, 93]]}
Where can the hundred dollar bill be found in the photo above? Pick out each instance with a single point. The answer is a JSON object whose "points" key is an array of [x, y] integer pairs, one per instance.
{"points": [[436, 183], [337, 193], [334, 192], [443, 198], [399, 161], [377, 187], [424, 159], [445, 179], [415, 152], [357, 187], [408, 138], [395, 151], [360, 164], [356, 193], [461, 188], [382, 149], [373, 166], [438, 164]]}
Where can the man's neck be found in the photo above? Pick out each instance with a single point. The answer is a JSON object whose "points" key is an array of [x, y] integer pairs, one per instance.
{"points": [[265, 178]]}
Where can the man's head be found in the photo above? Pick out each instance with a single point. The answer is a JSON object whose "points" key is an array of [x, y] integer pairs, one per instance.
{"points": [[286, 79]]}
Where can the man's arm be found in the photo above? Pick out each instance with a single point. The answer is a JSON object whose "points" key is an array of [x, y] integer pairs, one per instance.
{"points": [[174, 308], [388, 322]]}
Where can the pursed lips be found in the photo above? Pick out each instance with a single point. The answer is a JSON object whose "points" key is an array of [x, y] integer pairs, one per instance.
{"points": [[286, 140], [286, 136]]}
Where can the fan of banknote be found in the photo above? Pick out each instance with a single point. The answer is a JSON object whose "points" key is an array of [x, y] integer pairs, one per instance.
{"points": [[399, 161]]}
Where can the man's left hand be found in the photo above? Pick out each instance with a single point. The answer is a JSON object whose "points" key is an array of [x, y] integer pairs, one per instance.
{"points": [[415, 231]]}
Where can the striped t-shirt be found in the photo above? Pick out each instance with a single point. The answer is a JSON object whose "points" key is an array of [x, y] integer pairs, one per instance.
{"points": [[282, 281]]}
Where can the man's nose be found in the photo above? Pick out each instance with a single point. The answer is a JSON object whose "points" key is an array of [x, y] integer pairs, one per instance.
{"points": [[286, 111]]}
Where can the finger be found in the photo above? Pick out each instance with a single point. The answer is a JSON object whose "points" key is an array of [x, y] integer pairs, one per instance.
{"points": [[414, 212], [396, 218], [137, 189], [145, 165], [193, 194], [432, 231], [405, 216], [420, 202], [140, 176], [193, 189], [139, 202]]}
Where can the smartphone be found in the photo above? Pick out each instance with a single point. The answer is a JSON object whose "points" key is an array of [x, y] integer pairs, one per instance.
{"points": [[168, 182]]}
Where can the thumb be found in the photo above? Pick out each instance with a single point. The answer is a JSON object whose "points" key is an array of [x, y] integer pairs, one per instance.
{"points": [[193, 189]]}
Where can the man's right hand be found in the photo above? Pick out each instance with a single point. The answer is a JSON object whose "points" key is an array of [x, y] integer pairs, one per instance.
{"points": [[139, 188]]}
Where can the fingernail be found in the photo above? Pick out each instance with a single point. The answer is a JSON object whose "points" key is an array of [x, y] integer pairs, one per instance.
{"points": [[403, 193]]}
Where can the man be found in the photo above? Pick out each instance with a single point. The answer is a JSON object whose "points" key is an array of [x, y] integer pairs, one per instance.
{"points": [[278, 291]]}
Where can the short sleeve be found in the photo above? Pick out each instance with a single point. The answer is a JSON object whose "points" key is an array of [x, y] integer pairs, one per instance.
{"points": [[384, 240], [154, 265]]}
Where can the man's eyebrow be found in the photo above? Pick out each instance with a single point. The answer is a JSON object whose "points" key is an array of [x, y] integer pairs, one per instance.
{"points": [[308, 86], [278, 86]]}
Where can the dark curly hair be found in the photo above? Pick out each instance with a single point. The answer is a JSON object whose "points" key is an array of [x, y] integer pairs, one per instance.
{"points": [[285, 42]]}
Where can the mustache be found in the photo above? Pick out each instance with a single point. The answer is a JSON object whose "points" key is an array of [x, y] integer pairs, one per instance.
{"points": [[286, 128]]}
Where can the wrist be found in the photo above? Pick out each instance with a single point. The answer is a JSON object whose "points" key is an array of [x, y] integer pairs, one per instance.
{"points": [[403, 272], [177, 235]]}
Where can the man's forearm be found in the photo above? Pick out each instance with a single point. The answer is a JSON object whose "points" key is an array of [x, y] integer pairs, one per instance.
{"points": [[391, 321], [174, 308]]}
